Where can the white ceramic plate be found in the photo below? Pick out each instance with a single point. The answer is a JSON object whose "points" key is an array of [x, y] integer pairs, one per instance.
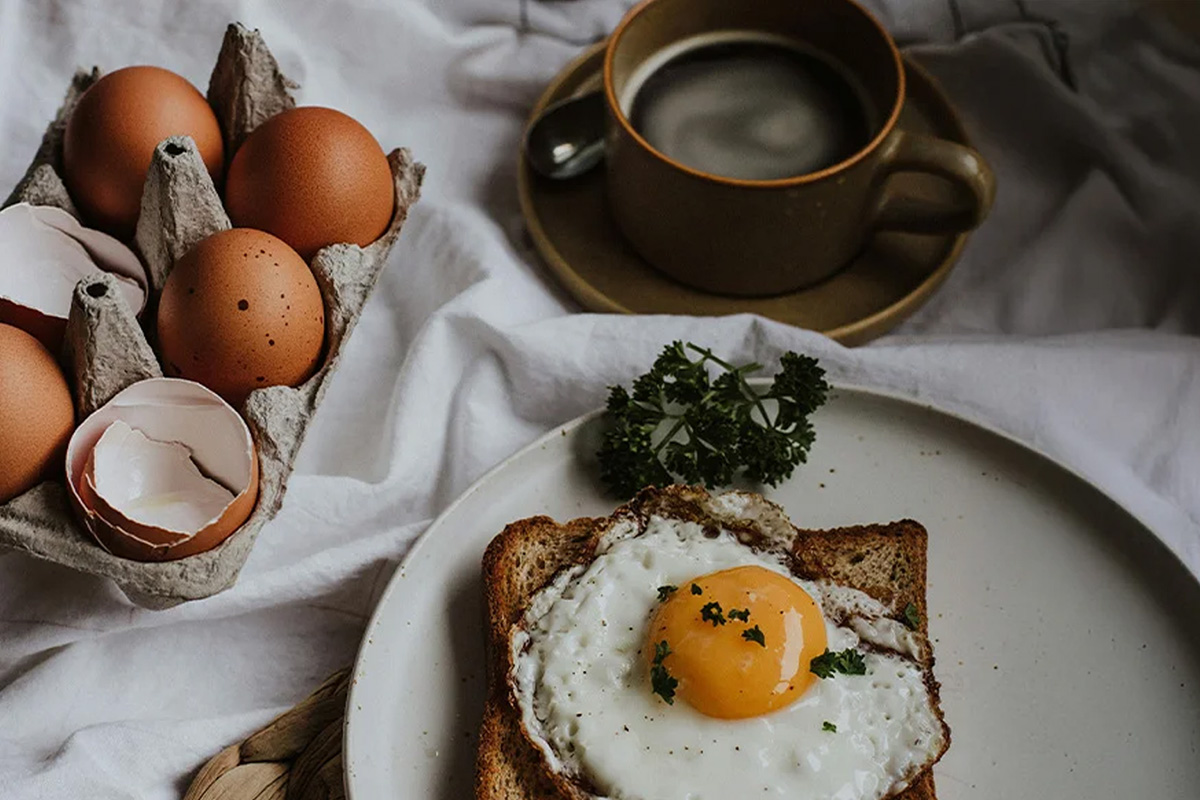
{"points": [[1067, 637]]}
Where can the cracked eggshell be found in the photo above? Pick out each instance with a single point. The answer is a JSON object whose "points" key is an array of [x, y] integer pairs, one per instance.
{"points": [[46, 253], [97, 512], [150, 487], [141, 429], [110, 255]]}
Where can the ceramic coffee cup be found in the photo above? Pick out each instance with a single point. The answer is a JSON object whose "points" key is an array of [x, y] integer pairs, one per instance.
{"points": [[754, 237]]}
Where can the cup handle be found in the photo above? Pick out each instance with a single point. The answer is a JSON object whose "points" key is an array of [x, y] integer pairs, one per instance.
{"points": [[895, 210]]}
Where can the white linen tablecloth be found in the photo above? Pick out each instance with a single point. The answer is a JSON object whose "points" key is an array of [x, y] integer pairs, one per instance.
{"points": [[1070, 323]]}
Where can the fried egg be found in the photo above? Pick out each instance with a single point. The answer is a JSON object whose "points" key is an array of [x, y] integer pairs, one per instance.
{"points": [[677, 665]]}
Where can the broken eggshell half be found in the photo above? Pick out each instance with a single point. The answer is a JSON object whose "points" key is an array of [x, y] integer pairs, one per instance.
{"points": [[46, 253], [164, 470]]}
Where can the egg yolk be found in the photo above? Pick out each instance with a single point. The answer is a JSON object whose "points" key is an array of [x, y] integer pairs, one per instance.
{"points": [[739, 641]]}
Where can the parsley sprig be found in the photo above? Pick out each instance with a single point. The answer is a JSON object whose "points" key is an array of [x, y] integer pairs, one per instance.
{"points": [[711, 612], [912, 617], [755, 634], [662, 682], [679, 423], [846, 662]]}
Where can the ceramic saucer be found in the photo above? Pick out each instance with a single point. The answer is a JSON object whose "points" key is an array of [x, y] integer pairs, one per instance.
{"points": [[570, 226]]}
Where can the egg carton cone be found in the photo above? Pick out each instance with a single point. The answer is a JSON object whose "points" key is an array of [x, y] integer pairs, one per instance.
{"points": [[106, 349]]}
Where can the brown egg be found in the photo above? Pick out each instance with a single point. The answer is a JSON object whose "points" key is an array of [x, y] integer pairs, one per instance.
{"points": [[240, 311], [111, 135], [313, 177], [36, 413]]}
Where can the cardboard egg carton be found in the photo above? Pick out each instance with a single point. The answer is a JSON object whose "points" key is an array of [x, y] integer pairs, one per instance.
{"points": [[106, 349]]}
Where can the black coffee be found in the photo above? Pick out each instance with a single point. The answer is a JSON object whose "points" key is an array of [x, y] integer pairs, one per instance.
{"points": [[749, 109]]}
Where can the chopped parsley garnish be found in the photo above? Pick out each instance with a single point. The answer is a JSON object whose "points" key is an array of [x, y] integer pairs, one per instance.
{"points": [[911, 618], [711, 612], [666, 591], [680, 424], [755, 634], [829, 726], [662, 683], [696, 589], [847, 662], [742, 614]]}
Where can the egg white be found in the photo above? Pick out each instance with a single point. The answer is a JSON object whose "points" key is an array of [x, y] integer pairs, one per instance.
{"points": [[583, 691]]}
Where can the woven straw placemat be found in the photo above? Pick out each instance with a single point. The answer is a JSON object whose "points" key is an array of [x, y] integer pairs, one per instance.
{"points": [[298, 756]]}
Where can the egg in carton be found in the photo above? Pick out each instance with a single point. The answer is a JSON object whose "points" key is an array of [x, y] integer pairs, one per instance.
{"points": [[106, 350]]}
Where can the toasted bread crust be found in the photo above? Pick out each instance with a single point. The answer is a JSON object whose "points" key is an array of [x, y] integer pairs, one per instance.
{"points": [[888, 562], [525, 556]]}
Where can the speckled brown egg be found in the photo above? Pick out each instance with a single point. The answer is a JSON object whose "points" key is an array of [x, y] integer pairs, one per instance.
{"points": [[36, 413], [313, 177], [240, 311], [111, 135]]}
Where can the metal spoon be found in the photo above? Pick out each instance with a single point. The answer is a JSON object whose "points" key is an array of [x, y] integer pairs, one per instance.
{"points": [[567, 140]]}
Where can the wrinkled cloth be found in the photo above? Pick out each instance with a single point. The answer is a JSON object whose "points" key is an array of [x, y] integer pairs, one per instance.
{"points": [[1070, 323]]}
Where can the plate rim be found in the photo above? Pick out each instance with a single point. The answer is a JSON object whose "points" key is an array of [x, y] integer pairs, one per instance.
{"points": [[562, 429]]}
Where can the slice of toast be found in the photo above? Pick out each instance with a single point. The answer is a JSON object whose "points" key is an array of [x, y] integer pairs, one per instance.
{"points": [[885, 561]]}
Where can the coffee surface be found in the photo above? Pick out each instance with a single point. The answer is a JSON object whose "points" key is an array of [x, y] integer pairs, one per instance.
{"points": [[751, 110]]}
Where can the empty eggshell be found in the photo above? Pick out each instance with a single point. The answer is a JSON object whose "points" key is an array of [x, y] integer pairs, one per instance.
{"points": [[103, 512], [153, 486], [46, 253], [165, 469], [110, 255]]}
